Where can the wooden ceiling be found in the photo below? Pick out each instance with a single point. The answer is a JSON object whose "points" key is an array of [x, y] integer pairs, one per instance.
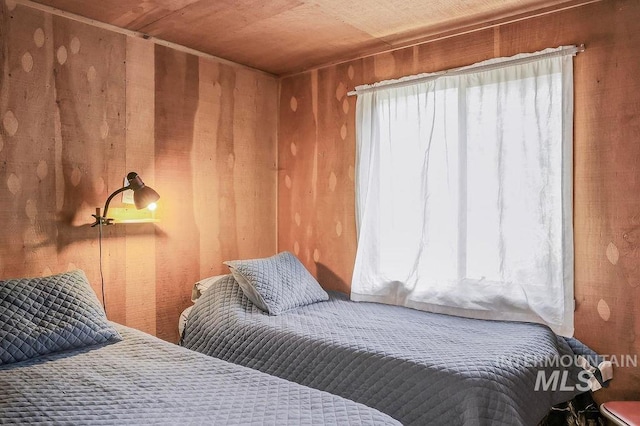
{"points": [[287, 36]]}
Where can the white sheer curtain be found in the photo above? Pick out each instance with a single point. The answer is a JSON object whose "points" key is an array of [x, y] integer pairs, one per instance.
{"points": [[464, 193]]}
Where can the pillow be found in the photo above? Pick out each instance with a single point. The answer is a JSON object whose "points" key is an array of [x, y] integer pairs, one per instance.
{"points": [[278, 283], [203, 285], [44, 315]]}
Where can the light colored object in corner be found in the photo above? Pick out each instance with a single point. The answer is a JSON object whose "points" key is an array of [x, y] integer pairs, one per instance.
{"points": [[183, 319], [203, 285], [198, 289]]}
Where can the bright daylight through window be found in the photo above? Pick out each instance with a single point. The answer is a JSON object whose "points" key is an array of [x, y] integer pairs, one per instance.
{"points": [[464, 191]]}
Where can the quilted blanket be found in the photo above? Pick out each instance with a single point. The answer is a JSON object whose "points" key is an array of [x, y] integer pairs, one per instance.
{"points": [[418, 367], [143, 380]]}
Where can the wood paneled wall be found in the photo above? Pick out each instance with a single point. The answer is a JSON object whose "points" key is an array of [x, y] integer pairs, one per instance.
{"points": [[82, 106], [317, 155], [79, 108]]}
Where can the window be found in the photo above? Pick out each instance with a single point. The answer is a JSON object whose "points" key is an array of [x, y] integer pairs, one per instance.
{"points": [[464, 192]]}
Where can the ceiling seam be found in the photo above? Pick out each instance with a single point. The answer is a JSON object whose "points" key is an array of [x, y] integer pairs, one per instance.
{"points": [[467, 29], [138, 34]]}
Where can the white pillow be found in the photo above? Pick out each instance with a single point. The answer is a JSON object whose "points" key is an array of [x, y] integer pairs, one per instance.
{"points": [[203, 285]]}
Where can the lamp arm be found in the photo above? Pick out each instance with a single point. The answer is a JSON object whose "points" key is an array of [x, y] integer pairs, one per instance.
{"points": [[106, 204], [102, 219]]}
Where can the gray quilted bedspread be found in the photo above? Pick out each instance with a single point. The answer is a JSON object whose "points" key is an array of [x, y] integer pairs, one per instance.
{"points": [[142, 380], [418, 367]]}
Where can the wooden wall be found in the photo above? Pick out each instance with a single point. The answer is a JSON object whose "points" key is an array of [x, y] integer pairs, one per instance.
{"points": [[317, 154], [82, 106]]}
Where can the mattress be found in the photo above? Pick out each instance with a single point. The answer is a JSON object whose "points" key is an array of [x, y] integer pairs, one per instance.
{"points": [[418, 367], [143, 380]]}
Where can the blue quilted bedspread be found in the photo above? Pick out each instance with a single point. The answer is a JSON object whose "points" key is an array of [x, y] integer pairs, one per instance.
{"points": [[145, 381], [418, 367]]}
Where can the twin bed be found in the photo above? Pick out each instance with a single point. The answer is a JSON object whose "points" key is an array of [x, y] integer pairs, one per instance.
{"points": [[143, 380], [418, 367], [269, 347], [62, 362]]}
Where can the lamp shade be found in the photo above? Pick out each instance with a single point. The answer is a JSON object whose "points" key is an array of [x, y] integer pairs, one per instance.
{"points": [[142, 194]]}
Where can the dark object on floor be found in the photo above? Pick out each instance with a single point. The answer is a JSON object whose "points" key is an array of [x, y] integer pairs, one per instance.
{"points": [[580, 411]]}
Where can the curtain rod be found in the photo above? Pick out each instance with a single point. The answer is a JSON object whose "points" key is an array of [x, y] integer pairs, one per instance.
{"points": [[481, 66]]}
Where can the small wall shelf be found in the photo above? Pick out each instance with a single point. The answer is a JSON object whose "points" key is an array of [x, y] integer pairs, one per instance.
{"points": [[126, 215]]}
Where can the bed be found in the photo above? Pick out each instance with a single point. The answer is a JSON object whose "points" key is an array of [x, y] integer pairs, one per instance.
{"points": [[418, 367], [50, 374]]}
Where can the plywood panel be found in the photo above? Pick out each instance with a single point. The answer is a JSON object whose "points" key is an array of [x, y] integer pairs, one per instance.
{"points": [[225, 165], [316, 195], [205, 170], [254, 164], [130, 14], [79, 108], [178, 246], [140, 260], [317, 142], [215, 141], [272, 36], [55, 168], [89, 75], [297, 157], [238, 170], [27, 155]]}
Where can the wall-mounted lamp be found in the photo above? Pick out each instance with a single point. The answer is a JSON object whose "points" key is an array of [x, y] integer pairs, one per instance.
{"points": [[143, 196]]}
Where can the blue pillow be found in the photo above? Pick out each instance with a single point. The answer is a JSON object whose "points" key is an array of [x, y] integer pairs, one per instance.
{"points": [[277, 284], [44, 315]]}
